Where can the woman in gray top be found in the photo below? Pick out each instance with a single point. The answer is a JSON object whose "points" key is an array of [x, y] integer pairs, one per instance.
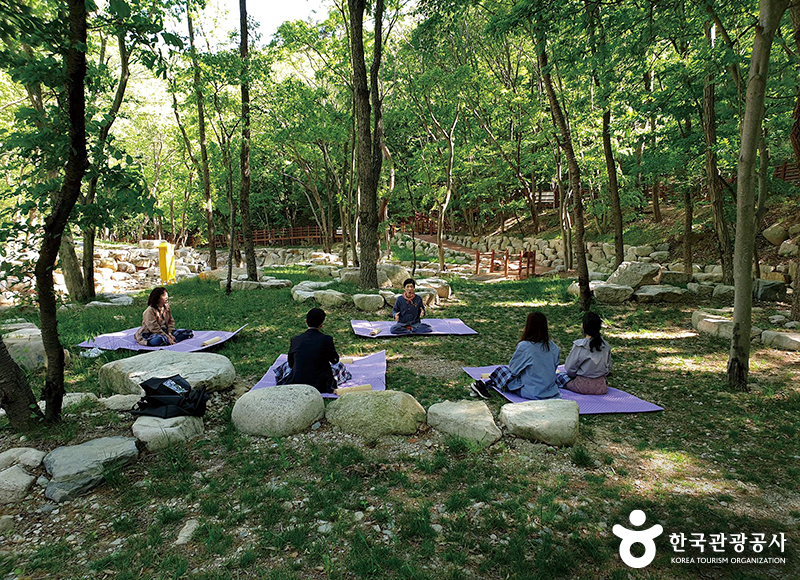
{"points": [[589, 361]]}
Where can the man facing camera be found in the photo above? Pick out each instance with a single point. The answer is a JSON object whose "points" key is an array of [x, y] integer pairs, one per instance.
{"points": [[311, 355]]}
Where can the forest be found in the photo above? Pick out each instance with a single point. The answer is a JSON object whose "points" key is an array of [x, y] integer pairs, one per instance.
{"points": [[473, 116]]}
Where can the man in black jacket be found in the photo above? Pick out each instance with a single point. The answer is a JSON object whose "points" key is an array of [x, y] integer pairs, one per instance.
{"points": [[311, 355]]}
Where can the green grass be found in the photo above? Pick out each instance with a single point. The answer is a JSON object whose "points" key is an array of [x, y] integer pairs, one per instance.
{"points": [[431, 506]]}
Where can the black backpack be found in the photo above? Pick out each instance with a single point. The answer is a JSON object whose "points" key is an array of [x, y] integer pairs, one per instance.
{"points": [[171, 397]]}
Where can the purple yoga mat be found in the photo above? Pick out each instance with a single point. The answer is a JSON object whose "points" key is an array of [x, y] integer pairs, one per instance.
{"points": [[124, 340], [439, 325], [614, 401], [366, 370]]}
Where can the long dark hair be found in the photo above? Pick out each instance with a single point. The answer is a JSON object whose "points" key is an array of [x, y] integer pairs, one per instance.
{"points": [[591, 328], [155, 296], [536, 330]]}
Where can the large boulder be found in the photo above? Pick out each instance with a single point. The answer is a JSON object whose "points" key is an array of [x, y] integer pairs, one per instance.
{"points": [[368, 302], [612, 293], [24, 343], [120, 402], [635, 274], [201, 369], [660, 293], [672, 278], [771, 290], [353, 276], [75, 469], [429, 296], [442, 287], [14, 484], [324, 271], [331, 298], [553, 421], [24, 456], [397, 274], [278, 411], [372, 414], [717, 325], [724, 292], [788, 249], [305, 290], [703, 291], [781, 340], [775, 234], [157, 433], [468, 419], [707, 277]]}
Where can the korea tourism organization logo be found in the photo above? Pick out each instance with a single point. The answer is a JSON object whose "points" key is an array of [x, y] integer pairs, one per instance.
{"points": [[697, 547], [644, 537]]}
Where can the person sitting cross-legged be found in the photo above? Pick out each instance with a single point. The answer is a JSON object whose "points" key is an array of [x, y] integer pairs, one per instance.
{"points": [[408, 310], [158, 326], [532, 371], [313, 359]]}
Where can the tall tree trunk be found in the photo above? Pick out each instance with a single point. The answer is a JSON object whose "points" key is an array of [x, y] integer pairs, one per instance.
{"points": [[761, 204], [714, 180], [688, 220], [613, 190], [770, 13], [71, 268], [201, 128], [244, 192], [16, 396], [54, 224], [574, 181], [90, 231], [370, 156]]}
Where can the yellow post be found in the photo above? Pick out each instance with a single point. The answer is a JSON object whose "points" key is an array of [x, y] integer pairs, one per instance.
{"points": [[166, 259]]}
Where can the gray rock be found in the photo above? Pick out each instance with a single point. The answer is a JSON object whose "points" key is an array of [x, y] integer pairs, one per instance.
{"points": [[717, 325], [781, 340], [612, 293], [553, 421], [635, 274], [6, 524], [389, 296], [429, 296], [278, 411], [672, 278], [396, 274], [201, 369], [78, 468], [24, 456], [660, 293], [442, 287], [662, 247], [659, 256], [703, 291], [771, 290], [775, 234], [788, 249], [707, 278], [469, 419], [368, 302], [723, 292], [331, 298], [643, 250], [324, 271], [792, 325], [305, 290], [375, 413], [353, 276], [14, 484], [157, 433], [186, 532], [120, 402], [777, 319]]}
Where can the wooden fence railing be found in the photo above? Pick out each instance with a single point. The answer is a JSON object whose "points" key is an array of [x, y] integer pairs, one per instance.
{"points": [[788, 172], [279, 236]]}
